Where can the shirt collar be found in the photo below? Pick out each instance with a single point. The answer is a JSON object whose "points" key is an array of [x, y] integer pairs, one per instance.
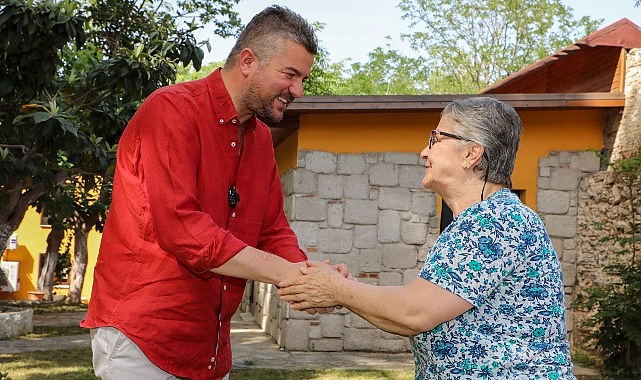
{"points": [[223, 105]]}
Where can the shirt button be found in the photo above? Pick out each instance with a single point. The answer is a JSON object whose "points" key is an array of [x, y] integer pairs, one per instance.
{"points": [[208, 367], [224, 288], [234, 121], [233, 144], [233, 214], [213, 359], [221, 121]]}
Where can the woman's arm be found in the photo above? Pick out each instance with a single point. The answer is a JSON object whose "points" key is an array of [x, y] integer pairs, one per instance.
{"points": [[404, 310]]}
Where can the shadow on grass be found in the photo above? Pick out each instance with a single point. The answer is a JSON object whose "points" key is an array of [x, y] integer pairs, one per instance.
{"points": [[72, 364], [75, 364]]}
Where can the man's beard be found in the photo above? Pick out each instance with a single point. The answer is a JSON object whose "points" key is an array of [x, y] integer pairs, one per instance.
{"points": [[262, 107]]}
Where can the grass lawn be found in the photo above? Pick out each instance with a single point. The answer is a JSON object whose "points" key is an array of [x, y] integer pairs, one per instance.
{"points": [[75, 364]]}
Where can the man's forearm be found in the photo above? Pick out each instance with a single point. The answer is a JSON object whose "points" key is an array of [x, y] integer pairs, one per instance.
{"points": [[254, 264]]}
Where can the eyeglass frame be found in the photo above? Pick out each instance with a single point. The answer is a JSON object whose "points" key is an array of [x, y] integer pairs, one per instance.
{"points": [[433, 139]]}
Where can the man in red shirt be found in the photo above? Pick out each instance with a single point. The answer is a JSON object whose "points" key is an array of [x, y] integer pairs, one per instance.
{"points": [[197, 209]]}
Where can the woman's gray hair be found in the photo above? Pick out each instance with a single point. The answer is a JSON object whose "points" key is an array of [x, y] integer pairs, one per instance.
{"points": [[267, 31], [496, 126]]}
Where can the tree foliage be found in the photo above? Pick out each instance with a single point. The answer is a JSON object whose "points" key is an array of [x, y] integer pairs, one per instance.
{"points": [[71, 76], [469, 44], [387, 72]]}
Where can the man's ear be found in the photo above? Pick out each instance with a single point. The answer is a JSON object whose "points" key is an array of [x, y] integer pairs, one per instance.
{"points": [[246, 61]]}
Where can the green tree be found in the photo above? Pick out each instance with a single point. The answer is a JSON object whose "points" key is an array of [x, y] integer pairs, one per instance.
{"points": [[71, 76], [469, 44], [387, 72]]}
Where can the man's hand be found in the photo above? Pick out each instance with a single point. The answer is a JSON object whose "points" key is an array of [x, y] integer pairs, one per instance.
{"points": [[316, 288]]}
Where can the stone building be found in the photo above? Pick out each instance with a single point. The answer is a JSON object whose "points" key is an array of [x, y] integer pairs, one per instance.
{"points": [[353, 190]]}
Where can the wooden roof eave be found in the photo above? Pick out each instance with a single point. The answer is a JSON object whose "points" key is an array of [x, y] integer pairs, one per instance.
{"points": [[421, 103], [434, 103]]}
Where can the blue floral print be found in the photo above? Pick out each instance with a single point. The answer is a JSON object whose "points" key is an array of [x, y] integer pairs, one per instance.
{"points": [[498, 256]]}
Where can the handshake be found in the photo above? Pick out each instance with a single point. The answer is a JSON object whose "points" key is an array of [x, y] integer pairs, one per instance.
{"points": [[316, 290]]}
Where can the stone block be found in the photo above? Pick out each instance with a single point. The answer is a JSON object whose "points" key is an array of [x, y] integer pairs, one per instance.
{"points": [[303, 182], [411, 176], [423, 203], [390, 279], [332, 240], [357, 187], [543, 182], [383, 175], [569, 274], [309, 209], [335, 214], [362, 340], [351, 164], [320, 162], [564, 157], [569, 244], [587, 162], [389, 226], [306, 232], [331, 186], [394, 198], [401, 158], [552, 201], [413, 233], [564, 179], [295, 335], [326, 345], [560, 226], [331, 325], [410, 274], [354, 321], [361, 211], [15, 321], [557, 243], [399, 256], [550, 161], [369, 260], [365, 236]]}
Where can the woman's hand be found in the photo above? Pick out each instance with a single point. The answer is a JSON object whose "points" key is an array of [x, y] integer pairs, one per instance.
{"points": [[318, 287]]}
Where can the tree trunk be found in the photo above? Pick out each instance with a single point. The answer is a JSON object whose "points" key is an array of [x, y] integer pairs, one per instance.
{"points": [[48, 270], [79, 266]]}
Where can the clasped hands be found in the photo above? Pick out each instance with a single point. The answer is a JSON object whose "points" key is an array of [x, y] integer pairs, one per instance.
{"points": [[316, 289]]}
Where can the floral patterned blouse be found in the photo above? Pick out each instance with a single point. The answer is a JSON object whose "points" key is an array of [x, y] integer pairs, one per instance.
{"points": [[498, 256]]}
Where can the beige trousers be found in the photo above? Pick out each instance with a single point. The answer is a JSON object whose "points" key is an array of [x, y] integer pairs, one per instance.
{"points": [[116, 357]]}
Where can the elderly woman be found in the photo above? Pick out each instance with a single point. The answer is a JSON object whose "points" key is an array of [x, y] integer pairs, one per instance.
{"points": [[488, 302]]}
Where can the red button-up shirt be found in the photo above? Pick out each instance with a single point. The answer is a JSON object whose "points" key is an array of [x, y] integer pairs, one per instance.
{"points": [[170, 223]]}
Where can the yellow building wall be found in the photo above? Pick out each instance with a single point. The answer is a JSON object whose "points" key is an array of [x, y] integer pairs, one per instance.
{"points": [[32, 241], [544, 131]]}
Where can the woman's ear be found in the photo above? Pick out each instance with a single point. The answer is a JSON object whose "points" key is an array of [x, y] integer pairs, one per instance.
{"points": [[474, 154]]}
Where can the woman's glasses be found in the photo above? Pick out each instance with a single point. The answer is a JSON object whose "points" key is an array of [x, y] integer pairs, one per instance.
{"points": [[435, 132]]}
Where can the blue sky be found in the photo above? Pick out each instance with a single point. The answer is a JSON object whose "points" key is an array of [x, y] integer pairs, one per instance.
{"points": [[353, 28]]}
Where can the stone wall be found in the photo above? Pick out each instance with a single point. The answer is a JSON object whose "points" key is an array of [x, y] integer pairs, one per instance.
{"points": [[368, 211], [558, 192], [604, 210], [371, 212]]}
